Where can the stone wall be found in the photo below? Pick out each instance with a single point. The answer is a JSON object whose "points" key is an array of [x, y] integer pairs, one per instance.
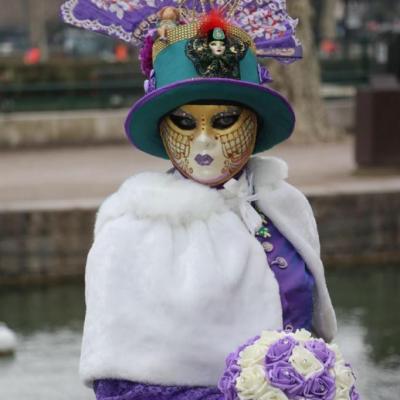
{"points": [[51, 245], [359, 229], [43, 129], [39, 246]]}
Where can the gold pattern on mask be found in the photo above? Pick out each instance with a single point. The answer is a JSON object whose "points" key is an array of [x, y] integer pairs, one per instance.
{"points": [[177, 144], [237, 143]]}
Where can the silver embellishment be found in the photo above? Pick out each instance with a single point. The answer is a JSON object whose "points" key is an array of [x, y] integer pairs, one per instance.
{"points": [[280, 262], [289, 328], [268, 247]]}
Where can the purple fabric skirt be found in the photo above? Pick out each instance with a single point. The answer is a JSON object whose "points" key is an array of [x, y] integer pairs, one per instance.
{"points": [[116, 389]]}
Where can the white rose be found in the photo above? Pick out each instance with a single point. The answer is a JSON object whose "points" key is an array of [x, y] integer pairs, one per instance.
{"points": [[252, 355], [304, 362], [342, 395], [338, 354], [301, 335], [269, 337], [344, 380], [251, 383], [273, 394]]}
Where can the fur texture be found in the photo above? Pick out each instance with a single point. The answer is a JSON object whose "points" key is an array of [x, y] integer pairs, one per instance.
{"points": [[179, 201], [174, 280], [157, 195]]}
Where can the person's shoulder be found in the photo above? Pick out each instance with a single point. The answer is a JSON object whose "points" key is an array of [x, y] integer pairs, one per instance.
{"points": [[155, 195], [290, 211], [117, 203], [269, 176], [284, 203], [267, 171]]}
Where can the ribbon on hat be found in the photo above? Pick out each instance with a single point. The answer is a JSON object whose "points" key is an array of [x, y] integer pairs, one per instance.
{"points": [[240, 194]]}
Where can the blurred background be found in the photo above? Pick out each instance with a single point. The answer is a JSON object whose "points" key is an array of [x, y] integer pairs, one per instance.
{"points": [[64, 95]]}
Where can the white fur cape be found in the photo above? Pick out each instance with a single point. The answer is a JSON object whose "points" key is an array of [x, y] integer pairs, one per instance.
{"points": [[175, 282]]}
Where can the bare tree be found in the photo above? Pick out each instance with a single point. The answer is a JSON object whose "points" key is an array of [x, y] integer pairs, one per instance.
{"points": [[327, 21], [37, 15], [300, 82]]}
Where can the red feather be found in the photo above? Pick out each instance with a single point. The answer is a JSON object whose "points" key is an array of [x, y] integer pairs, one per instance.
{"points": [[214, 19]]}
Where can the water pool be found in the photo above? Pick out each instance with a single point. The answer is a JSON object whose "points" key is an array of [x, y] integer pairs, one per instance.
{"points": [[48, 321]]}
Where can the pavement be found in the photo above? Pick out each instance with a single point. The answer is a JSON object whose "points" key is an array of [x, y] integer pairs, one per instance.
{"points": [[82, 177]]}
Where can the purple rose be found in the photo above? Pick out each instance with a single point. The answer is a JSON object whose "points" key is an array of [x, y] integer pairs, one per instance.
{"points": [[321, 351], [231, 359], [354, 394], [280, 350], [231, 363], [320, 387], [284, 377], [227, 383]]}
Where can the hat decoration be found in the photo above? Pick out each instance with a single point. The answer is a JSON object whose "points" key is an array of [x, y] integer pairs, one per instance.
{"points": [[214, 20], [135, 21], [265, 21], [213, 52], [199, 51]]}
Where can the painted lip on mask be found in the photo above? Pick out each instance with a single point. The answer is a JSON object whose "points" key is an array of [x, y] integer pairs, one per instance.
{"points": [[203, 159]]}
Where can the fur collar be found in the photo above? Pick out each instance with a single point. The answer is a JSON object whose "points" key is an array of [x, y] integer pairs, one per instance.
{"points": [[160, 195], [267, 171]]}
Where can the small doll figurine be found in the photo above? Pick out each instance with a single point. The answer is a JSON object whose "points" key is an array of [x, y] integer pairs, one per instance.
{"points": [[213, 53], [169, 19], [216, 56]]}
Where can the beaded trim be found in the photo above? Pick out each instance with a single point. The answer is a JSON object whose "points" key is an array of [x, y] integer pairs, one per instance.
{"points": [[188, 31], [284, 52]]}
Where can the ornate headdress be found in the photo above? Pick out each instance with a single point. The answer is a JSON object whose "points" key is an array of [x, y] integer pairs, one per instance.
{"points": [[205, 51]]}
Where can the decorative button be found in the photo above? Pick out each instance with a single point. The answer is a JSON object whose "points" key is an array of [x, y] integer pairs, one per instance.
{"points": [[263, 218], [268, 247], [289, 328], [280, 262], [263, 232]]}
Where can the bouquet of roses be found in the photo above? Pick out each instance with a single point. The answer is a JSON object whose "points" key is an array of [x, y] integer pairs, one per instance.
{"points": [[287, 366]]}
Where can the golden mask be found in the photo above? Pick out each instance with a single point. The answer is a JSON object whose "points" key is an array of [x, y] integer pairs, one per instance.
{"points": [[209, 143]]}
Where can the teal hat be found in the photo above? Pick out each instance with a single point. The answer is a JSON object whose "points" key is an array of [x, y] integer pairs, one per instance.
{"points": [[186, 71]]}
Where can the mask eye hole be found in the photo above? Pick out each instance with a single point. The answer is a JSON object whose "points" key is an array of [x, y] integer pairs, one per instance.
{"points": [[184, 122], [225, 120]]}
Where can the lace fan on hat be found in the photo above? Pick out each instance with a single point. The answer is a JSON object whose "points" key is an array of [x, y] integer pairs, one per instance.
{"points": [[271, 28], [266, 21]]}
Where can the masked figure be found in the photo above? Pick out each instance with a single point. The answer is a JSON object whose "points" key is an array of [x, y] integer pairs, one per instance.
{"points": [[187, 265]]}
